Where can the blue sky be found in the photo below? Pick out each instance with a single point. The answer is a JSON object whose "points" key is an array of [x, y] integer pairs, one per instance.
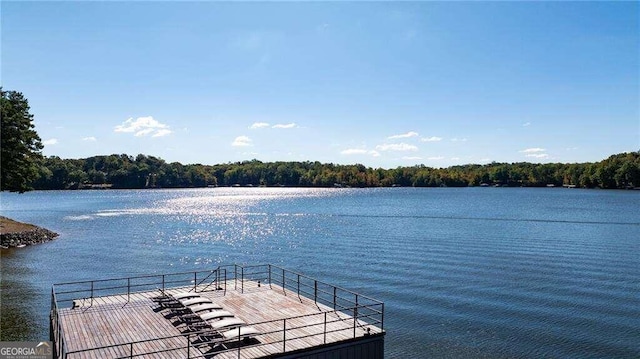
{"points": [[384, 84]]}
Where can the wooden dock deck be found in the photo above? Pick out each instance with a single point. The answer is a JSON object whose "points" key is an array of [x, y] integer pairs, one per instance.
{"points": [[134, 325]]}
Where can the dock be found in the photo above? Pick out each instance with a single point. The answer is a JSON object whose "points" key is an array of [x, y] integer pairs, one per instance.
{"points": [[294, 316]]}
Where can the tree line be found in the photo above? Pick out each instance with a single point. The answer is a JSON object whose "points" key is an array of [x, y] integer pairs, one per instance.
{"points": [[24, 168], [125, 171]]}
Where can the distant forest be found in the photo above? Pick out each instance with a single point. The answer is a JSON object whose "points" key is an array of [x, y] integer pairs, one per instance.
{"points": [[124, 171]]}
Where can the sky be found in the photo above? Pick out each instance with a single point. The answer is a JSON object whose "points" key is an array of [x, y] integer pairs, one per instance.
{"points": [[384, 84]]}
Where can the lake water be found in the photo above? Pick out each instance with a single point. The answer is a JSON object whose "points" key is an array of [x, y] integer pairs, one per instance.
{"points": [[464, 273]]}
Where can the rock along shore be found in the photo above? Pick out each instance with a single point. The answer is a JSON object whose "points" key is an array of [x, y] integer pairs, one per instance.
{"points": [[18, 234]]}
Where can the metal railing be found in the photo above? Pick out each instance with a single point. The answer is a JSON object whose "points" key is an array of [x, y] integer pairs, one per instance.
{"points": [[340, 299], [343, 310], [85, 292]]}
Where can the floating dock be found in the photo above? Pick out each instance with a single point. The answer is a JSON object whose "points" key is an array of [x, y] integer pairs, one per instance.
{"points": [[292, 316]]}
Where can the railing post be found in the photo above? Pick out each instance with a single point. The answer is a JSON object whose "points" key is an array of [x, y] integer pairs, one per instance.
{"points": [[163, 283], [269, 275], [315, 291], [61, 350], [355, 316], [239, 342], [235, 277], [355, 310], [242, 280], [284, 283], [298, 285], [382, 318], [92, 293], [63, 347], [128, 289], [356, 303], [325, 327], [334, 297], [284, 335], [195, 282]]}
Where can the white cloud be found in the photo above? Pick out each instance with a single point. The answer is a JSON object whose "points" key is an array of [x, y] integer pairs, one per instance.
{"points": [[404, 135], [397, 147], [288, 125], [322, 28], [90, 139], [353, 151], [360, 151], [241, 141], [436, 158], [455, 158], [411, 158], [162, 132], [431, 139], [455, 139], [143, 126], [144, 132], [526, 124], [51, 141], [257, 125], [485, 160], [533, 150], [537, 155]]}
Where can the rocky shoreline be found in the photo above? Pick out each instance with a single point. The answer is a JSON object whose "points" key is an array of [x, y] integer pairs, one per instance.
{"points": [[18, 234]]}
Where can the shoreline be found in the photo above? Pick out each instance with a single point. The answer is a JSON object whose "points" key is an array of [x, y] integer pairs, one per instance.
{"points": [[14, 234]]}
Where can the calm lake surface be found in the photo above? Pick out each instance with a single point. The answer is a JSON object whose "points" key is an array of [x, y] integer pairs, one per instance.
{"points": [[464, 273]]}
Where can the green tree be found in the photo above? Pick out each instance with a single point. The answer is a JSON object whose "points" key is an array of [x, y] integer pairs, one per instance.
{"points": [[20, 144]]}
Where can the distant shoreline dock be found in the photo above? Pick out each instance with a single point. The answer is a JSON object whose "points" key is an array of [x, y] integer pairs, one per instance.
{"points": [[260, 311]]}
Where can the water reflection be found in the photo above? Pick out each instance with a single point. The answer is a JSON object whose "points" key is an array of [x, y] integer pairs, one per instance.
{"points": [[19, 322]]}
